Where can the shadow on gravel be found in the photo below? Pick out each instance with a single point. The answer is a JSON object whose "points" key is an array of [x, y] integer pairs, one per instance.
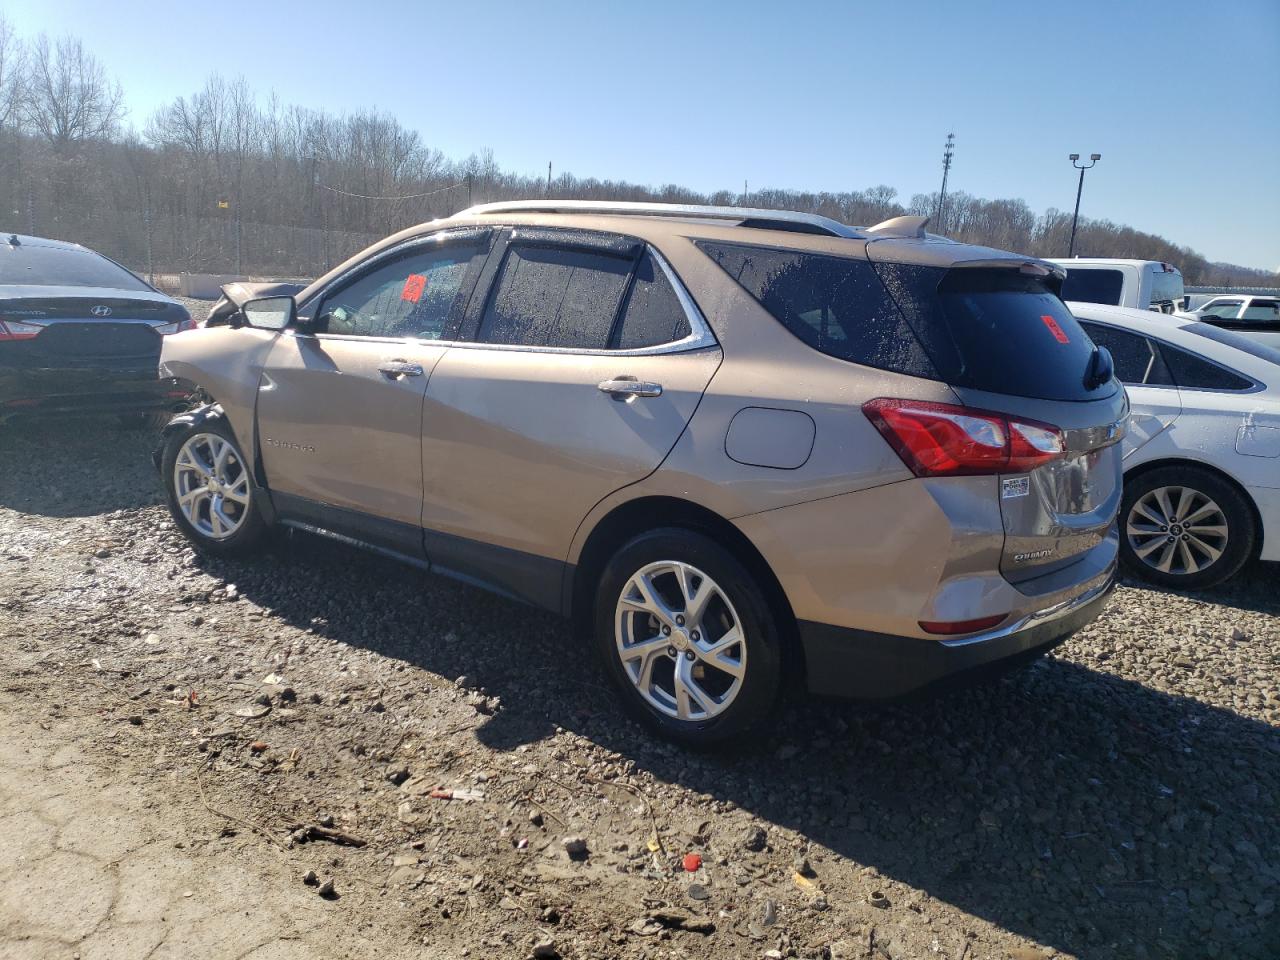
{"points": [[76, 467], [1082, 810], [1255, 588]]}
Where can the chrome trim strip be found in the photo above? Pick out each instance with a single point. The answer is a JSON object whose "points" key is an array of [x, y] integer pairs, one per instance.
{"points": [[685, 211], [1055, 612]]}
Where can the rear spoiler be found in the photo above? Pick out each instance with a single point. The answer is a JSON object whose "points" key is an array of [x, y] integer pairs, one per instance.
{"points": [[1052, 274]]}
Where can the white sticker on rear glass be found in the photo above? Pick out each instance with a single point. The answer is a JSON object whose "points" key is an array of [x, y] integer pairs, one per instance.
{"points": [[1015, 487]]}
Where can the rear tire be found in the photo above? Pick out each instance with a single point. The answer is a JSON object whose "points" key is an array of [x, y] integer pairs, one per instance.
{"points": [[685, 632], [209, 489], [1185, 527]]}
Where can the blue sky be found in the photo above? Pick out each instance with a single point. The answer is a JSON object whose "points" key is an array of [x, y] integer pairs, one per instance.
{"points": [[1181, 99]]}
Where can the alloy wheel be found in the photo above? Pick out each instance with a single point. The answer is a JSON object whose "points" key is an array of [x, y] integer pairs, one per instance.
{"points": [[211, 485], [680, 641], [1177, 530]]}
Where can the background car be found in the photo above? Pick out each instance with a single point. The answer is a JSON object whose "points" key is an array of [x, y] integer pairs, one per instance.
{"points": [[1255, 317], [730, 443], [80, 334], [1140, 284], [1202, 455]]}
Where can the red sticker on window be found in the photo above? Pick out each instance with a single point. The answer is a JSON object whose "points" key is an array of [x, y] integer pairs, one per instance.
{"points": [[1057, 331], [414, 284]]}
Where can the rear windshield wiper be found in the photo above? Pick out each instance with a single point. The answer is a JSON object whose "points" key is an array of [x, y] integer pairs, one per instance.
{"points": [[1101, 368]]}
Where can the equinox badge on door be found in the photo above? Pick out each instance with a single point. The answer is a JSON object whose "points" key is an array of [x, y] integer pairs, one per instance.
{"points": [[289, 445]]}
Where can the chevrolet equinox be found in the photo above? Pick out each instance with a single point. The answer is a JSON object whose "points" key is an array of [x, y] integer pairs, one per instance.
{"points": [[734, 445]]}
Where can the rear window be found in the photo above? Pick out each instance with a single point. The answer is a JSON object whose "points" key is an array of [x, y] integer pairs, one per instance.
{"points": [[834, 304], [995, 329], [1136, 360], [1166, 288], [1196, 373], [60, 266], [1086, 285]]}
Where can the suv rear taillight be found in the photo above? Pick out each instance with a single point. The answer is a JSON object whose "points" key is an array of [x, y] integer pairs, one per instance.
{"points": [[945, 440], [19, 330]]}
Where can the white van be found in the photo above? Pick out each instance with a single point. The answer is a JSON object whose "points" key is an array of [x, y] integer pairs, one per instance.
{"points": [[1141, 284]]}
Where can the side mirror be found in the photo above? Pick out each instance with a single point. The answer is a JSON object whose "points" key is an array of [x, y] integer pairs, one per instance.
{"points": [[269, 313]]}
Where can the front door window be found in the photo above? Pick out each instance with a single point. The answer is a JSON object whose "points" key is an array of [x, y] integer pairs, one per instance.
{"points": [[412, 297]]}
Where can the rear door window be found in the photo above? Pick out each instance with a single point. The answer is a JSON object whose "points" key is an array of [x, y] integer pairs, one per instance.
{"points": [[997, 330], [1086, 285], [834, 304], [1136, 358], [552, 296]]}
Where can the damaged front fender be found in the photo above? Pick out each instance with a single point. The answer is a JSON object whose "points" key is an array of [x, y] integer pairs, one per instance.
{"points": [[226, 364]]}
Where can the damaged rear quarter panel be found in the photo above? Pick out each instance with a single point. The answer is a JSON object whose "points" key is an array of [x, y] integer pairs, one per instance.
{"points": [[227, 364]]}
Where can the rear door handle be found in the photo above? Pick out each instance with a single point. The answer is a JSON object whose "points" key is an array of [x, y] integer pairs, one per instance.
{"points": [[395, 369], [628, 388]]}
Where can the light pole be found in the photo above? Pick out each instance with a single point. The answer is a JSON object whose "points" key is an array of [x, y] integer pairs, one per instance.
{"points": [[946, 169], [1075, 157]]}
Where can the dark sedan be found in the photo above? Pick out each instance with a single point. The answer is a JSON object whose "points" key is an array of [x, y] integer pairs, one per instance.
{"points": [[79, 333]]}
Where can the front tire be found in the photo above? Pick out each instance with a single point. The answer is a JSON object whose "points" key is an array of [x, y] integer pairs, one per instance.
{"points": [[1185, 527], [685, 632], [210, 492]]}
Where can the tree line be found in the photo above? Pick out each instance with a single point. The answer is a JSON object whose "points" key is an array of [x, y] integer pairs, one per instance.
{"points": [[228, 180]]}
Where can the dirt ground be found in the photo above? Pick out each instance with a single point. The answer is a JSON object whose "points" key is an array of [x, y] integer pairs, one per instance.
{"points": [[182, 740]]}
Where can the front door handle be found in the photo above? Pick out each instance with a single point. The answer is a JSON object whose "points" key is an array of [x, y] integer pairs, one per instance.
{"points": [[628, 388], [395, 369]]}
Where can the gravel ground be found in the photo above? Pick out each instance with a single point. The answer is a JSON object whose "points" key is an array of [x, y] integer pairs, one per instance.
{"points": [[199, 309], [1117, 800]]}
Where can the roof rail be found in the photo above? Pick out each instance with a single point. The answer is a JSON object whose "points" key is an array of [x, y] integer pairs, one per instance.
{"points": [[747, 216]]}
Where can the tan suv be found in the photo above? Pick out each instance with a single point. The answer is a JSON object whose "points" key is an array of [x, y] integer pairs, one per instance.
{"points": [[734, 445]]}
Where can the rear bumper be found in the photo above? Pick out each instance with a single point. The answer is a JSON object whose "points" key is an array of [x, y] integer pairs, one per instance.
{"points": [[53, 392], [863, 665]]}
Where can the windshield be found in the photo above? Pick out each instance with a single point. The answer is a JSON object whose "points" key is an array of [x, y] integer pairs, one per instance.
{"points": [[31, 264], [1086, 285]]}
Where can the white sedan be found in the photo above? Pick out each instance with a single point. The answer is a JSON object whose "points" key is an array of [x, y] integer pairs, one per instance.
{"points": [[1202, 454], [1257, 318]]}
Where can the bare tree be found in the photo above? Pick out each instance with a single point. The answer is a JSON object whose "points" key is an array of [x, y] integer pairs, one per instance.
{"points": [[71, 99], [13, 74], [224, 179]]}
